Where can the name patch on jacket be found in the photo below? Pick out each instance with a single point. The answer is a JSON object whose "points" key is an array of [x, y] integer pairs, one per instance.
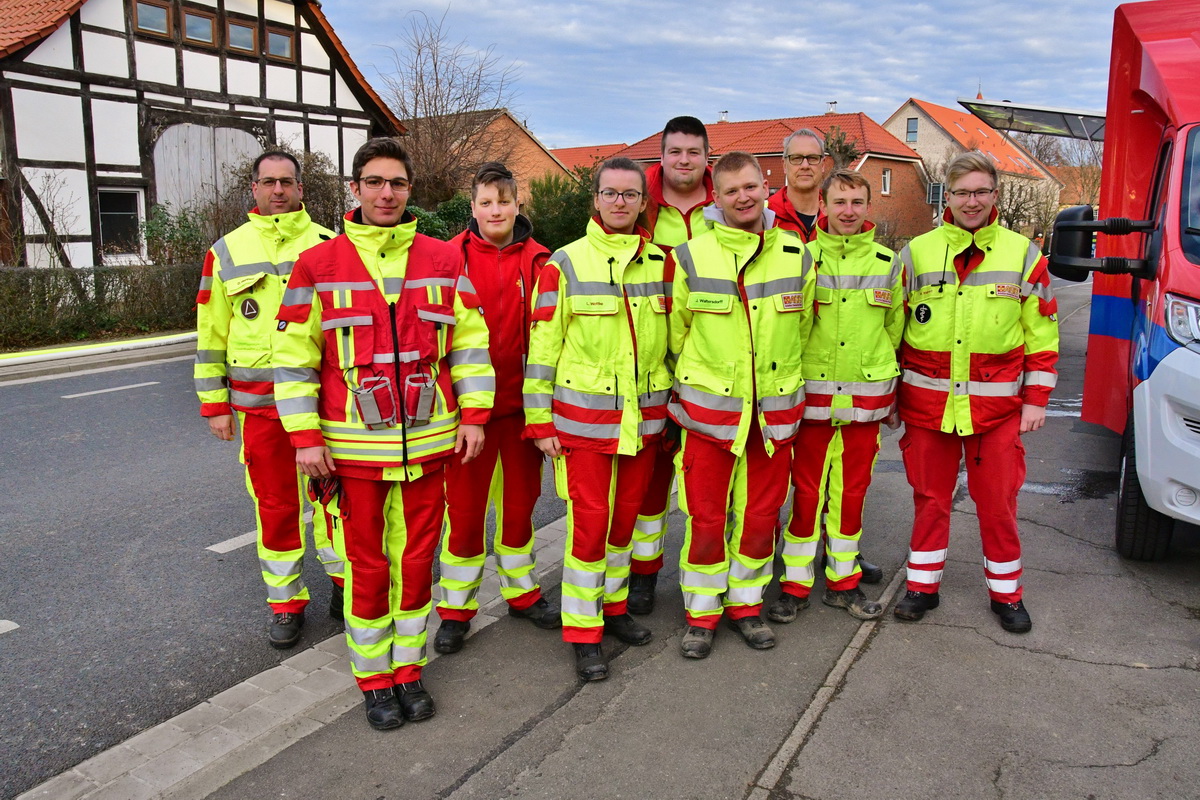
{"points": [[1009, 290], [792, 300], [883, 297]]}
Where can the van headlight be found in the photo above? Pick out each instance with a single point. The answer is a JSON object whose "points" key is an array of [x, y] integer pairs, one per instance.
{"points": [[1182, 319]]}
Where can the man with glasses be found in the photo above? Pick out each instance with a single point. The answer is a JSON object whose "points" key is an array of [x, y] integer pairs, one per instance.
{"points": [[797, 204], [679, 187], [382, 375], [244, 276], [978, 359], [596, 387]]}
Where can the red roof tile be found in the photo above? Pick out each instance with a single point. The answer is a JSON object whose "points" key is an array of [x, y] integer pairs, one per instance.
{"points": [[974, 134], [572, 157], [765, 136], [23, 22]]}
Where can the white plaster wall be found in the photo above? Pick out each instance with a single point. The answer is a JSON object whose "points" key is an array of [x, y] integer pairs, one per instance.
{"points": [[242, 6], [290, 133], [345, 98], [48, 126], [352, 139], [104, 14], [201, 71], [116, 132], [64, 195], [55, 50], [316, 89], [278, 11], [105, 55], [155, 63], [324, 139], [312, 54], [242, 77], [281, 84]]}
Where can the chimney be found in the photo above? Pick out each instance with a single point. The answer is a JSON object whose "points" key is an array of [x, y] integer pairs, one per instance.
{"points": [[832, 107], [723, 116]]}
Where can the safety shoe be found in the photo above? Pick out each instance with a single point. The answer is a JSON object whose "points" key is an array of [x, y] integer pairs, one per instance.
{"points": [[641, 593], [914, 605], [337, 602], [756, 632], [627, 629], [450, 635], [542, 613], [590, 662], [1013, 616], [697, 642], [871, 573], [415, 702], [854, 601], [383, 709], [785, 609], [285, 627]]}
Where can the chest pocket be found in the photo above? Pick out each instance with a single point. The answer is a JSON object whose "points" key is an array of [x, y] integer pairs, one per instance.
{"points": [[710, 303], [593, 305], [789, 302], [350, 333], [881, 298]]}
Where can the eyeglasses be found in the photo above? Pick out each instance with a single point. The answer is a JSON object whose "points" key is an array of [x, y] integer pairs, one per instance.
{"points": [[796, 160], [963, 194], [271, 183], [375, 183], [610, 195]]}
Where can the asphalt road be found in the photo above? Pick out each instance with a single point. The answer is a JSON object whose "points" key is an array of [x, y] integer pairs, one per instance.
{"points": [[125, 618]]}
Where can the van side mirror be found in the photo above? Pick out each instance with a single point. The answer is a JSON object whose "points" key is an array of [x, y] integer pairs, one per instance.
{"points": [[1071, 247]]}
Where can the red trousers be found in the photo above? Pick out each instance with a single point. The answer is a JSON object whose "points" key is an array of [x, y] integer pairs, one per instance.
{"points": [[651, 527], [995, 472]]}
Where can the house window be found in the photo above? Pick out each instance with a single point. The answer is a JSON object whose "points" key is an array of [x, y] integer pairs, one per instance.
{"points": [[887, 182], [199, 28], [120, 222], [279, 45], [910, 131], [242, 36], [152, 16]]}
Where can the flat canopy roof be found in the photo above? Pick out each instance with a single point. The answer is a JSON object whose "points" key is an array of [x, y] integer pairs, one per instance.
{"points": [[1007, 116]]}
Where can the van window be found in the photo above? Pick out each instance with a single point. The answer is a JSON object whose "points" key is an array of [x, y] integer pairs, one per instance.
{"points": [[1189, 202]]}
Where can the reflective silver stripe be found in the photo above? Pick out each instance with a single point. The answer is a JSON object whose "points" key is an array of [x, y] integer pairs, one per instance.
{"points": [[1039, 290], [650, 289], [860, 388], [287, 406], [436, 316], [781, 432], [598, 402], [803, 574], [578, 287], [614, 585], [757, 291], [702, 580], [523, 582], [851, 282], [925, 382], [446, 425], [989, 389], [422, 283], [805, 549], [647, 550], [1039, 378], [581, 608], [443, 441], [298, 296], [410, 626], [704, 399], [464, 574], [842, 568], [361, 663], [652, 426], [988, 277], [539, 372], [619, 560], [266, 267], [697, 283], [652, 399], [345, 322], [251, 374], [836, 544], [1003, 587], [346, 286], [650, 527], [783, 402], [402, 654], [1032, 255], [852, 414], [206, 282], [584, 579], [818, 413], [1002, 567], [514, 562], [390, 358], [745, 595], [586, 430], [926, 576], [545, 300], [210, 356], [468, 355], [209, 384], [926, 556], [280, 569], [740, 572], [286, 592], [365, 637], [459, 598], [464, 284], [296, 375], [701, 602], [719, 432], [477, 383], [251, 400], [537, 400]]}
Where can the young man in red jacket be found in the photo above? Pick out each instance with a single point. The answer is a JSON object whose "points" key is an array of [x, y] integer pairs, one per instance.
{"points": [[503, 261]]}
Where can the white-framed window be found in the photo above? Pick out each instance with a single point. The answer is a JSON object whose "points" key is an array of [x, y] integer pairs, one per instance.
{"points": [[886, 188], [910, 130], [122, 210]]}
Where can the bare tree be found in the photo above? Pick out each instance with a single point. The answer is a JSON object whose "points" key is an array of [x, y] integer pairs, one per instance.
{"points": [[1046, 149], [447, 94], [843, 151]]}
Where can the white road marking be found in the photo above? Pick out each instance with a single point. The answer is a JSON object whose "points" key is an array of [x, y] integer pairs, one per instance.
{"points": [[75, 374], [7, 625], [234, 543], [106, 391]]}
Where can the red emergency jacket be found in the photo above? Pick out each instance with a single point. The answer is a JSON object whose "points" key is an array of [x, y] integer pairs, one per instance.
{"points": [[677, 227], [787, 218]]}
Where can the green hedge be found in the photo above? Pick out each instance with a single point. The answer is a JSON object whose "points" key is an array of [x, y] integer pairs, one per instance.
{"points": [[40, 307]]}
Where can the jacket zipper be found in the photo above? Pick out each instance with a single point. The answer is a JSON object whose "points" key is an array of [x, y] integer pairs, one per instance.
{"points": [[399, 386]]}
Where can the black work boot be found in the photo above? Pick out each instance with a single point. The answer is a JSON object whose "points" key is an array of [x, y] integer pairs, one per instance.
{"points": [[590, 662], [914, 605], [383, 709], [697, 642], [627, 629], [854, 601], [542, 613], [337, 602], [1013, 616], [871, 573], [641, 593], [450, 635], [756, 632], [786, 608], [415, 702], [284, 630]]}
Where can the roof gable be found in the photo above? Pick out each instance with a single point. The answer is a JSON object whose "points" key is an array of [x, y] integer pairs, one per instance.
{"points": [[25, 22], [972, 133]]}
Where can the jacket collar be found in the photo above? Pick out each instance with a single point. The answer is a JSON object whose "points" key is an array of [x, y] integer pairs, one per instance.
{"points": [[281, 226], [861, 243], [376, 238], [959, 239]]}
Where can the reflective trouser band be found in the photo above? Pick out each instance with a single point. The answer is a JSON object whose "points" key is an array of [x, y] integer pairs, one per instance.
{"points": [[702, 591], [927, 556], [747, 580], [370, 649], [582, 596], [648, 535], [616, 578], [798, 554], [926, 576], [460, 580], [1002, 567], [516, 571], [1003, 587]]}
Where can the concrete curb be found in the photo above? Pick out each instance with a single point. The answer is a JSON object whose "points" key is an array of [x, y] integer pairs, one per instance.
{"points": [[59, 353]]}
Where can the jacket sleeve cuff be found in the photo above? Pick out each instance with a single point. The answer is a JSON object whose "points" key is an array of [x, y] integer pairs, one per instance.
{"points": [[309, 438], [215, 409], [1035, 396], [475, 416], [543, 430]]}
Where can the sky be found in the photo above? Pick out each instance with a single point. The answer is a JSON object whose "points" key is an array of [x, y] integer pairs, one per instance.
{"points": [[615, 71]]}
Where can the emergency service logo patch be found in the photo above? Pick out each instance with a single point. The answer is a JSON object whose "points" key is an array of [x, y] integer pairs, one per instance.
{"points": [[282, 326], [1009, 290], [922, 313], [662, 302], [249, 308], [883, 297], [792, 300]]}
